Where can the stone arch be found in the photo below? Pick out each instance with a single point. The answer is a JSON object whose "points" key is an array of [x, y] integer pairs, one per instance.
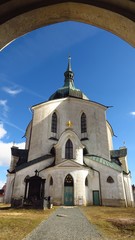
{"points": [[22, 18], [68, 134], [69, 180]]}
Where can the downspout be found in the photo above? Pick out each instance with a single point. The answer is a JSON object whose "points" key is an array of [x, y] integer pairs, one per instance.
{"points": [[99, 182], [126, 201], [13, 190]]}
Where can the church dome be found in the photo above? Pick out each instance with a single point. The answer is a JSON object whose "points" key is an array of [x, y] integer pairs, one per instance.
{"points": [[69, 89]]}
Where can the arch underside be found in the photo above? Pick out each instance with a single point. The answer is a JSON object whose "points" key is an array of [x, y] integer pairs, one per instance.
{"points": [[19, 18]]}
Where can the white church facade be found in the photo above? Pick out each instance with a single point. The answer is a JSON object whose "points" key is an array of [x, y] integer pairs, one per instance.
{"points": [[69, 155]]}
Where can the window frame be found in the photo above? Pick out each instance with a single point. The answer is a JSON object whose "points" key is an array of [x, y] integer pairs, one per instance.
{"points": [[54, 123], [83, 123], [69, 149]]}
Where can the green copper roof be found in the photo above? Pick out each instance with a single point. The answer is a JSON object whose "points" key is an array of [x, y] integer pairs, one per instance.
{"points": [[105, 162], [69, 89], [119, 153]]}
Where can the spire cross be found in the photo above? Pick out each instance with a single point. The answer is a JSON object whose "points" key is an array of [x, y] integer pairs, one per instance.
{"points": [[69, 75], [69, 64]]}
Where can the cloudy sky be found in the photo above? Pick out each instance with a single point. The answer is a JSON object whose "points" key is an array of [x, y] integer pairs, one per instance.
{"points": [[32, 68]]}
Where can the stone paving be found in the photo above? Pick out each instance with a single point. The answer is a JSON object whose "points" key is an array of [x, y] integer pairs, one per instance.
{"points": [[66, 223]]}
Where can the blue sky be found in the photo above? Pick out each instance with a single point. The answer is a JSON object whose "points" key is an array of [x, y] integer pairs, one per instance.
{"points": [[32, 68]]}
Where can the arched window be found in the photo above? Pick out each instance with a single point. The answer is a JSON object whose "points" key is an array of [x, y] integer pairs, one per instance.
{"points": [[54, 123], [86, 182], [110, 179], [83, 123], [85, 151], [52, 151], [68, 180], [69, 149], [51, 181]]}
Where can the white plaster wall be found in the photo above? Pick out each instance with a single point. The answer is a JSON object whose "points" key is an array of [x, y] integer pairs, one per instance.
{"points": [[19, 185], [133, 190], [69, 109], [119, 190], [110, 135], [13, 162], [111, 191], [28, 135], [123, 160], [1, 199], [57, 189], [40, 144], [9, 188], [77, 147], [82, 195], [128, 190], [93, 185]]}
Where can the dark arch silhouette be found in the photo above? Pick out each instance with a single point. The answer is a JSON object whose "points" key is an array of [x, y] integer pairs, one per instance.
{"points": [[20, 17]]}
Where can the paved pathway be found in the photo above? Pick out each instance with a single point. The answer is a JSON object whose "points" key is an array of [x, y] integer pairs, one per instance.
{"points": [[66, 223]]}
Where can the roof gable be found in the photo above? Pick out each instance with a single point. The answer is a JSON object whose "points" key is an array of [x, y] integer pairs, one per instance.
{"points": [[70, 163]]}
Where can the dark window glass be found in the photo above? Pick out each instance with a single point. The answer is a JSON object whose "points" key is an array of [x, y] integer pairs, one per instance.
{"points": [[86, 181], [68, 180], [110, 179], [83, 123], [69, 149], [51, 181], [54, 123]]}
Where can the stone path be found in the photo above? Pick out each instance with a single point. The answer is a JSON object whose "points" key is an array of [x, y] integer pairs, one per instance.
{"points": [[66, 223]]}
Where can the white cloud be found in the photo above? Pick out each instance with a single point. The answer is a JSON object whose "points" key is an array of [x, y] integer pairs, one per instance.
{"points": [[18, 87], [11, 124], [5, 148], [132, 113], [2, 183], [5, 152], [2, 131], [12, 92], [3, 104]]}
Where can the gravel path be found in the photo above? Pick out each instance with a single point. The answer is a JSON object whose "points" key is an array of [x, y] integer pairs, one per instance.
{"points": [[66, 223]]}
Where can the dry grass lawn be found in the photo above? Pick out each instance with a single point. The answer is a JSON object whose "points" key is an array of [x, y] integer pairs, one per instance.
{"points": [[114, 223], [17, 223]]}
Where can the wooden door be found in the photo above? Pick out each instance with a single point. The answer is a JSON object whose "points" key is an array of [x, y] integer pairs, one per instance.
{"points": [[68, 191], [96, 199]]}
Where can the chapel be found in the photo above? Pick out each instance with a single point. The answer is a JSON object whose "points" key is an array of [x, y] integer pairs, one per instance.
{"points": [[69, 155]]}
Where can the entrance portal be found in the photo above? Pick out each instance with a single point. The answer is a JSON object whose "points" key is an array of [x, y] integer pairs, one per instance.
{"points": [[68, 191]]}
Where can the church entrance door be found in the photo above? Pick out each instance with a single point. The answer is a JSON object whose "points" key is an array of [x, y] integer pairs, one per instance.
{"points": [[96, 200], [68, 191]]}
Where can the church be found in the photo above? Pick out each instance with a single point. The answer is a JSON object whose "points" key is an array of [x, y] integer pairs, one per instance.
{"points": [[69, 155]]}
